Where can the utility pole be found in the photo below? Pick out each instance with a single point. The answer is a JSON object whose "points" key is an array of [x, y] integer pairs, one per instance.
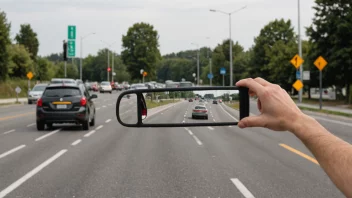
{"points": [[300, 93]]}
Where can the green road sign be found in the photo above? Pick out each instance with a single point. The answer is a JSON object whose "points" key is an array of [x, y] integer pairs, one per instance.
{"points": [[71, 48], [71, 34]]}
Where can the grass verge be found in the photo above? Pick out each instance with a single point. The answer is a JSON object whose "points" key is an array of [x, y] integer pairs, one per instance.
{"points": [[327, 112], [7, 88], [235, 105], [154, 103]]}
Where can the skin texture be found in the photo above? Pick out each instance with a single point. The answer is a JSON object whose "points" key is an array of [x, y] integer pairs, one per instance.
{"points": [[280, 113]]}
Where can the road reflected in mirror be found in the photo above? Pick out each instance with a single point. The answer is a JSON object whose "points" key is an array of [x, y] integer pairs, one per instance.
{"points": [[128, 109]]}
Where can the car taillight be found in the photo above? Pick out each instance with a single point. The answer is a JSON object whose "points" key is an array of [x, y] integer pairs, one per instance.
{"points": [[83, 101], [40, 102], [144, 112]]}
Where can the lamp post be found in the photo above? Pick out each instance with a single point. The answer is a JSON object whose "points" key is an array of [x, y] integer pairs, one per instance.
{"points": [[81, 51], [229, 14]]}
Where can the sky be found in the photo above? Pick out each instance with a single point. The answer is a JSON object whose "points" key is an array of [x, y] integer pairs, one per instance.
{"points": [[178, 22]]}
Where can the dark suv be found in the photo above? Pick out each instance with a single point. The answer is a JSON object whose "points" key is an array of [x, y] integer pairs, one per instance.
{"points": [[66, 103]]}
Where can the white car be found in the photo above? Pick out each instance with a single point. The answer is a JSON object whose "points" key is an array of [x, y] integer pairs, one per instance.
{"points": [[105, 87], [36, 93]]}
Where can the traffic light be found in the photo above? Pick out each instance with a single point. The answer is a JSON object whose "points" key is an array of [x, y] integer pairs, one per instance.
{"points": [[65, 51]]}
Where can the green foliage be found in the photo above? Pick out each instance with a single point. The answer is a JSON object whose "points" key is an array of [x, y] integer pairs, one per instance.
{"points": [[4, 41], [20, 61], [330, 35], [43, 69], [175, 69], [141, 50], [28, 38]]}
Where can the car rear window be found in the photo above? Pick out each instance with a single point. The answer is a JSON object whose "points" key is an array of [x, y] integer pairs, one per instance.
{"points": [[39, 88], [199, 107], [62, 92]]}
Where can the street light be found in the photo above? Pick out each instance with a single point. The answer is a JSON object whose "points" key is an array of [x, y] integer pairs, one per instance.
{"points": [[229, 13], [80, 62], [197, 61], [210, 69], [108, 46], [300, 49]]}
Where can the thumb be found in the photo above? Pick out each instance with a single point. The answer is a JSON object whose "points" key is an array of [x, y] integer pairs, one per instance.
{"points": [[252, 121]]}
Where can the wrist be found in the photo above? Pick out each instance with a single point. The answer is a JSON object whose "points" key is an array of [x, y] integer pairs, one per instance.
{"points": [[302, 124]]}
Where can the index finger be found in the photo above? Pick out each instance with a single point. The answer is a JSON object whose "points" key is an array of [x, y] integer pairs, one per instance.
{"points": [[251, 84]]}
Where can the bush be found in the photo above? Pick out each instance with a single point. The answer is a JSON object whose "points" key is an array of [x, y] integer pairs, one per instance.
{"points": [[7, 88]]}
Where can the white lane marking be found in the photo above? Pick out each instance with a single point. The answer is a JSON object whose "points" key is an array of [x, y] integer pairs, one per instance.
{"points": [[30, 124], [108, 120], [230, 126], [228, 113], [30, 174], [194, 137], [245, 192], [162, 113], [214, 120], [90, 133], [104, 106], [125, 112], [76, 142], [47, 135], [10, 131], [12, 151], [97, 108], [99, 127], [332, 121], [183, 121], [211, 128]]}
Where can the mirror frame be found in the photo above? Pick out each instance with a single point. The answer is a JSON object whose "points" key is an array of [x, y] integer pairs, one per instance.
{"points": [[243, 99]]}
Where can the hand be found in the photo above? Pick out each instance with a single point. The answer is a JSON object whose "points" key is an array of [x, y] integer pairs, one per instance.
{"points": [[278, 111]]}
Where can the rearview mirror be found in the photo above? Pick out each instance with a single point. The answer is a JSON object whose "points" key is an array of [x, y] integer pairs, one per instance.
{"points": [[182, 107]]}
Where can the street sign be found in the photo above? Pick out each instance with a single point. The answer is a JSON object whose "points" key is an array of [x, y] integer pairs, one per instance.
{"points": [[71, 48], [306, 75], [298, 75], [320, 63], [114, 73], [210, 76], [222, 71], [298, 85], [145, 74], [29, 75], [18, 90], [297, 61], [142, 71], [71, 33]]}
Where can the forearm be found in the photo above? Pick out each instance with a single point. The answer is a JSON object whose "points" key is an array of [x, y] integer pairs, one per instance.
{"points": [[333, 154]]}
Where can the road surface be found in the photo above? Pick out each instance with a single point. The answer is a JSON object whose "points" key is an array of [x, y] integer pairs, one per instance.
{"points": [[110, 160]]}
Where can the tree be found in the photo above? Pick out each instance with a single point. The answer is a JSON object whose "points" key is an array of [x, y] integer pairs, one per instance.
{"points": [[141, 50], [28, 38], [175, 69], [4, 42], [20, 61], [330, 35], [277, 30], [43, 69]]}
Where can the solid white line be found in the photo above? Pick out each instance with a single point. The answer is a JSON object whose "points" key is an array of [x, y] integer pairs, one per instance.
{"points": [[211, 128], [90, 133], [245, 192], [76, 142], [99, 127], [12, 151], [10, 131], [228, 113], [97, 108], [104, 106], [47, 135], [197, 140], [332, 121], [30, 125], [108, 120], [30, 174]]}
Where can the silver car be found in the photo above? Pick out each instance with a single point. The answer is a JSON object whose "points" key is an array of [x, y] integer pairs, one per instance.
{"points": [[36, 93], [200, 111]]}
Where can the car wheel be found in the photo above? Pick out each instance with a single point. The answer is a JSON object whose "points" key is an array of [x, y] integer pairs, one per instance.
{"points": [[40, 126], [193, 117], [85, 125], [92, 122], [110, 92], [206, 117], [49, 125], [29, 102]]}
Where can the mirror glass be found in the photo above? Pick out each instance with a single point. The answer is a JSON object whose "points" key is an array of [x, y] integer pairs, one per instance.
{"points": [[208, 106], [128, 109]]}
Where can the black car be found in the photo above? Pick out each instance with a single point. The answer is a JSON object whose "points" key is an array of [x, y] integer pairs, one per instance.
{"points": [[66, 103], [215, 102]]}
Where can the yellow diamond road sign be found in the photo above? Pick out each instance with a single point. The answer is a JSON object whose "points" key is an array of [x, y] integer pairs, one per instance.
{"points": [[29, 75], [320, 63], [298, 85], [297, 61]]}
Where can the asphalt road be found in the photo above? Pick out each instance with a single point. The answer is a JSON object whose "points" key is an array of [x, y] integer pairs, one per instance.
{"points": [[110, 160]]}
